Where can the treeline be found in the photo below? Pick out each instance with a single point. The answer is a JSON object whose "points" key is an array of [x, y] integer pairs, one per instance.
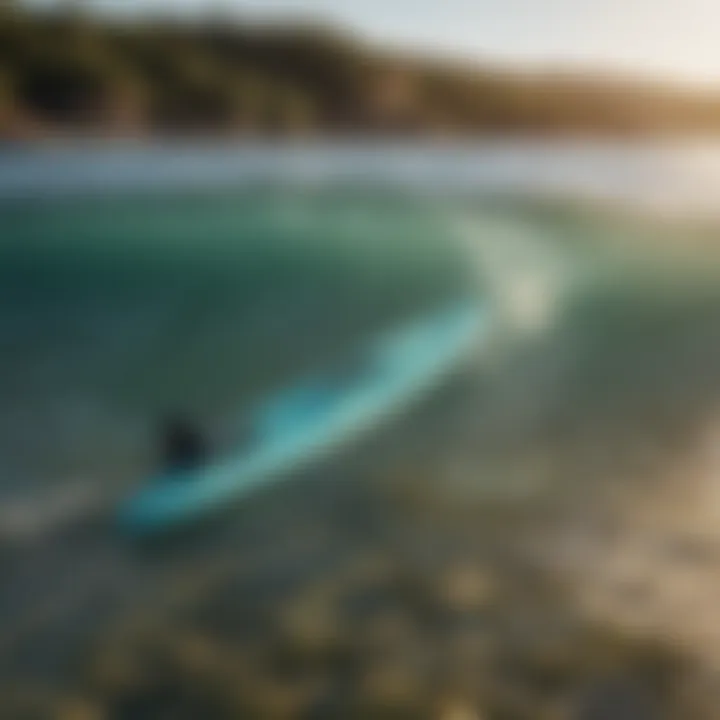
{"points": [[73, 72]]}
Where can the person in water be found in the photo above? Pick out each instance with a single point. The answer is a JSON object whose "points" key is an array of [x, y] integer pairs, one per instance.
{"points": [[184, 446]]}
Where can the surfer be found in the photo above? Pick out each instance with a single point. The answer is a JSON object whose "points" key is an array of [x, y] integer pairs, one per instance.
{"points": [[184, 446]]}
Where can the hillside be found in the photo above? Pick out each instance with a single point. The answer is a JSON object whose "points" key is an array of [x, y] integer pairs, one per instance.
{"points": [[75, 73]]}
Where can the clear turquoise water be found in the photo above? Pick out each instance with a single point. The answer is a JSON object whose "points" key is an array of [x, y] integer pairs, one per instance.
{"points": [[117, 309]]}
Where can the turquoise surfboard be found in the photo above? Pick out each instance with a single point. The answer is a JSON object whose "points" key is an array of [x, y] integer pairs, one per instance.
{"points": [[310, 419]]}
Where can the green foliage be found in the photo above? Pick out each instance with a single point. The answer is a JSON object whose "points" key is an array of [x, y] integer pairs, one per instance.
{"points": [[70, 68]]}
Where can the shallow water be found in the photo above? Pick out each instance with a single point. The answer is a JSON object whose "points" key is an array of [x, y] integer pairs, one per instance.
{"points": [[216, 283]]}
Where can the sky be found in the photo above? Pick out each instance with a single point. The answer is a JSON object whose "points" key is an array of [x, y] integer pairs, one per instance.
{"points": [[672, 39]]}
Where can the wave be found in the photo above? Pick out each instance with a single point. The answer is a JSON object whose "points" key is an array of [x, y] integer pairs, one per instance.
{"points": [[664, 176]]}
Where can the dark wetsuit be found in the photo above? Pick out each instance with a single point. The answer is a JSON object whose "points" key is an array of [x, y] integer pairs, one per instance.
{"points": [[183, 446]]}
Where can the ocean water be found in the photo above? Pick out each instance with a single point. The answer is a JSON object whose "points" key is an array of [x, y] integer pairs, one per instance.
{"points": [[138, 280], [118, 310]]}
